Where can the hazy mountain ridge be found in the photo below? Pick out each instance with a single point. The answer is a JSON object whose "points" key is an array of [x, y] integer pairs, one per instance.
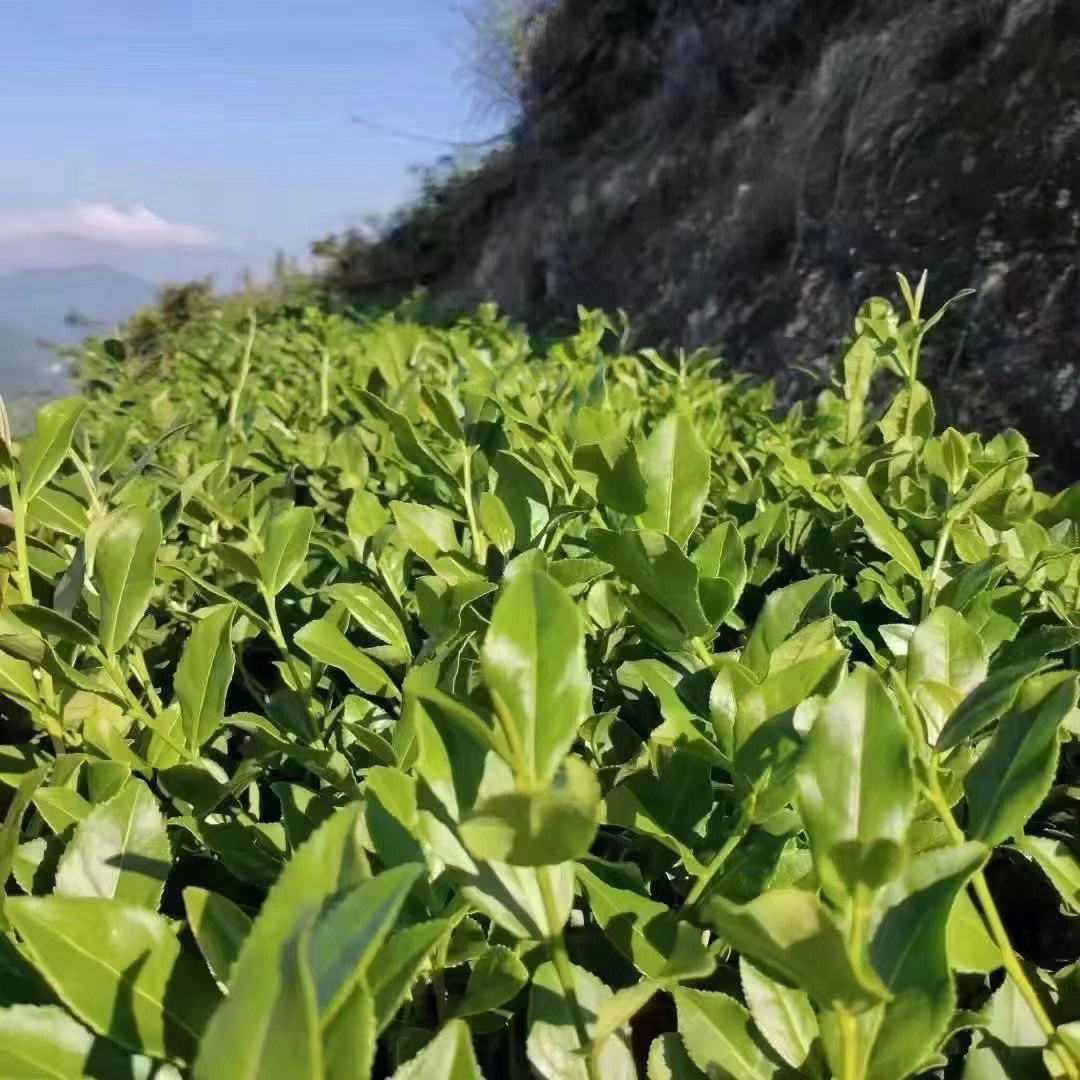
{"points": [[35, 306]]}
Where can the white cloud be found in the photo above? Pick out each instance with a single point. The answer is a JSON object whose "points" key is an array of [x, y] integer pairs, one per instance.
{"points": [[133, 227]]}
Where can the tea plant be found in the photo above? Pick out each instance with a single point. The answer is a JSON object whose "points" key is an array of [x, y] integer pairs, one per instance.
{"points": [[387, 700]]}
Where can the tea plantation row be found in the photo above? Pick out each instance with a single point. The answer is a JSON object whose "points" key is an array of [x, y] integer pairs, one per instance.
{"points": [[382, 699]]}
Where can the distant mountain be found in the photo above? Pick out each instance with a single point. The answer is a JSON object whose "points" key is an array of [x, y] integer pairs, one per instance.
{"points": [[61, 307]]}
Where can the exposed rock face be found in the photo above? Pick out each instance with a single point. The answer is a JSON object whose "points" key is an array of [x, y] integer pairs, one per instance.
{"points": [[745, 173]]}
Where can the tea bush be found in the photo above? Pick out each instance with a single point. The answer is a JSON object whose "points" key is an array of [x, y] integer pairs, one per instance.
{"points": [[388, 700]]}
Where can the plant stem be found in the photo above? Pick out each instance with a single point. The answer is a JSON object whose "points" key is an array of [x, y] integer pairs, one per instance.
{"points": [[478, 538], [716, 863], [279, 640], [564, 972], [245, 367], [1013, 966], [930, 588], [18, 516]]}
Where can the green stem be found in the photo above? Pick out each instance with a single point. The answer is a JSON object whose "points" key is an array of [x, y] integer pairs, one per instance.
{"points": [[279, 640], [137, 706], [708, 660], [18, 516], [716, 863], [849, 1048], [478, 538], [245, 367], [930, 588], [1013, 966], [324, 384], [564, 972]]}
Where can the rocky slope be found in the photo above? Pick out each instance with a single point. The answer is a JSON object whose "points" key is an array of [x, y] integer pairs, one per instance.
{"points": [[743, 174]]}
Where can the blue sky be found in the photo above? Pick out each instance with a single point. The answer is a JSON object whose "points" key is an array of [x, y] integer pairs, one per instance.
{"points": [[176, 137]]}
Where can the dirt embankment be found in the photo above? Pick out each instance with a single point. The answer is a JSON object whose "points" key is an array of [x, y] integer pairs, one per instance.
{"points": [[743, 174]]}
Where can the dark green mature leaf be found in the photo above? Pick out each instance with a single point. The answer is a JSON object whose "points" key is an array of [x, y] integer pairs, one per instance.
{"points": [[43, 453], [675, 467], [119, 851], [668, 605], [533, 661], [1014, 773], [203, 675], [284, 547], [120, 969], [124, 571]]}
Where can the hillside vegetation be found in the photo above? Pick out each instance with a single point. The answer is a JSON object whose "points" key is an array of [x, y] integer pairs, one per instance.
{"points": [[390, 699]]}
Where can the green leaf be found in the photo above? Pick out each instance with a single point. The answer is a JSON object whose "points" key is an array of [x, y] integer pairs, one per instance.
{"points": [[349, 1040], [650, 935], [1014, 773], [119, 851], [721, 561], [552, 1045], [856, 779], [1058, 863], [792, 935], [968, 942], [43, 453], [496, 978], [203, 675], [42, 1042], [347, 937], [496, 522], [537, 828], [284, 547], [12, 825], [668, 1060], [675, 467], [398, 965], [879, 526], [945, 649], [986, 703], [375, 615], [219, 928], [533, 663], [449, 1056], [783, 1015], [330, 863], [323, 640], [909, 953], [668, 605], [120, 969], [785, 611], [124, 562], [720, 1037]]}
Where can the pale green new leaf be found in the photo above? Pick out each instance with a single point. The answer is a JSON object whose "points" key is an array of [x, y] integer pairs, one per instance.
{"points": [[119, 851]]}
